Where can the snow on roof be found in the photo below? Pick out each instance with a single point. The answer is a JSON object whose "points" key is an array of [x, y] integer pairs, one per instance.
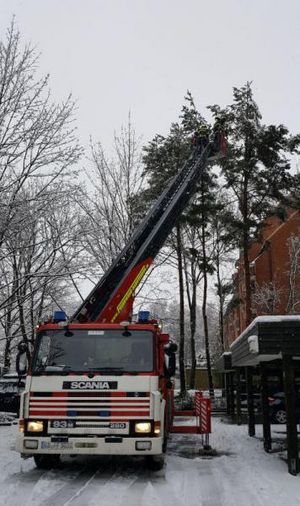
{"points": [[266, 319]]}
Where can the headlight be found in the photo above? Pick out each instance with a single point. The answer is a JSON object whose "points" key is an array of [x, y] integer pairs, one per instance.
{"points": [[35, 426], [142, 427]]}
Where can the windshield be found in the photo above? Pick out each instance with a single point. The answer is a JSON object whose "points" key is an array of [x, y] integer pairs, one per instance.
{"points": [[64, 351]]}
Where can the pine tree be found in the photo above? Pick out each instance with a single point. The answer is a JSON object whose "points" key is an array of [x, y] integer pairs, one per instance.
{"points": [[256, 170], [200, 216], [164, 157]]}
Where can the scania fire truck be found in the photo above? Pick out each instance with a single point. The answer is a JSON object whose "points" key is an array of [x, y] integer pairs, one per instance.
{"points": [[100, 383]]}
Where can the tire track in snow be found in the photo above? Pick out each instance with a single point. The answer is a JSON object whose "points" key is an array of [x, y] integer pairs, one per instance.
{"points": [[69, 490], [104, 475], [49, 484], [193, 482], [208, 486], [235, 491], [140, 490], [183, 482], [18, 474], [37, 486], [94, 485], [116, 489], [76, 488]]}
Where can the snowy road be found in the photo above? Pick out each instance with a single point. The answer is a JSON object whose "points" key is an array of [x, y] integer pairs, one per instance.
{"points": [[243, 475]]}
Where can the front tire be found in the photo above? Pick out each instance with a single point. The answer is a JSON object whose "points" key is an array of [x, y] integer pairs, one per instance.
{"points": [[155, 462], [47, 461]]}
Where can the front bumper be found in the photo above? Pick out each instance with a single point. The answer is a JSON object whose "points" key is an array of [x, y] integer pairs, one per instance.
{"points": [[88, 446]]}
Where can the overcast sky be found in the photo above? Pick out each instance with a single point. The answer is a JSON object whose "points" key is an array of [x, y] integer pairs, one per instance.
{"points": [[142, 55]]}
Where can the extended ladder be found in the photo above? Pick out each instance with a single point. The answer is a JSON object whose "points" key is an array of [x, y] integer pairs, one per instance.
{"points": [[111, 298]]}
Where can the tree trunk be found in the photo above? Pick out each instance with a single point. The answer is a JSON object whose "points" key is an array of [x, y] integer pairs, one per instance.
{"points": [[181, 311], [7, 355], [221, 304], [204, 315], [247, 279], [193, 331], [245, 213], [191, 292]]}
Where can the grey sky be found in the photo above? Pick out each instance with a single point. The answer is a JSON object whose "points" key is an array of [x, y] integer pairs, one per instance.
{"points": [[142, 55]]}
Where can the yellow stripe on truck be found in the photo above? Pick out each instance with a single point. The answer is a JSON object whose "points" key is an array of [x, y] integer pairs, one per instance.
{"points": [[130, 291]]}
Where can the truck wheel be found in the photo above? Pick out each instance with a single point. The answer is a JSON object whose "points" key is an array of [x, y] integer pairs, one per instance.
{"points": [[165, 442], [155, 462], [46, 461]]}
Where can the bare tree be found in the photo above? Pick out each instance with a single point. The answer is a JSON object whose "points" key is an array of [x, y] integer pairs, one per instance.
{"points": [[111, 212], [293, 303], [36, 136], [38, 157], [39, 265], [266, 298]]}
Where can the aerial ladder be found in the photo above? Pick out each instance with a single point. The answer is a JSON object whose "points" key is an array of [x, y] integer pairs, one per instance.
{"points": [[111, 299]]}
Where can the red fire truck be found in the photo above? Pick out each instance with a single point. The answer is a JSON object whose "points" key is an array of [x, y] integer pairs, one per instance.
{"points": [[100, 384]]}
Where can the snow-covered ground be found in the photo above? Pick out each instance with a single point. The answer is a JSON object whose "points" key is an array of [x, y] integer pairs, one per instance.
{"points": [[242, 475]]}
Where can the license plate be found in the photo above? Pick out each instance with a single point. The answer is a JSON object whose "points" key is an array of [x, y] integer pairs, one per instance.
{"points": [[58, 445], [62, 424]]}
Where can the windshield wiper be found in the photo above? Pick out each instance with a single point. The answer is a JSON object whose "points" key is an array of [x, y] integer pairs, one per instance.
{"points": [[107, 369], [39, 369], [56, 369]]}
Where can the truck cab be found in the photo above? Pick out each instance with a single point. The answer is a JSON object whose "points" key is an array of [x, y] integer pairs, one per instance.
{"points": [[96, 389]]}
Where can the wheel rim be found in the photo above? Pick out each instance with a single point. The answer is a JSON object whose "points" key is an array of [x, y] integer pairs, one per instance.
{"points": [[280, 416]]}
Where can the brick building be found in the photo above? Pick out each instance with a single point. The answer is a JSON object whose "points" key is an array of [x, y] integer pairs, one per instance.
{"points": [[275, 275]]}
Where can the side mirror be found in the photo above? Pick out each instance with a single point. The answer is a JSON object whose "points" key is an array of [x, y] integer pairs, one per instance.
{"points": [[170, 350], [172, 364], [21, 359]]}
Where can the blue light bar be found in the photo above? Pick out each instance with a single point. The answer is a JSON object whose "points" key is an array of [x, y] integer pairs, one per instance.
{"points": [[59, 316], [143, 316]]}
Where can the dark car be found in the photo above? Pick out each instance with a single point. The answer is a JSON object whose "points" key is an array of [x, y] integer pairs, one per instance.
{"points": [[256, 402], [10, 389], [277, 407]]}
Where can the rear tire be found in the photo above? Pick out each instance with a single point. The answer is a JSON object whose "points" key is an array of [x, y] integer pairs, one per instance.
{"points": [[165, 444], [155, 462], [47, 461]]}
